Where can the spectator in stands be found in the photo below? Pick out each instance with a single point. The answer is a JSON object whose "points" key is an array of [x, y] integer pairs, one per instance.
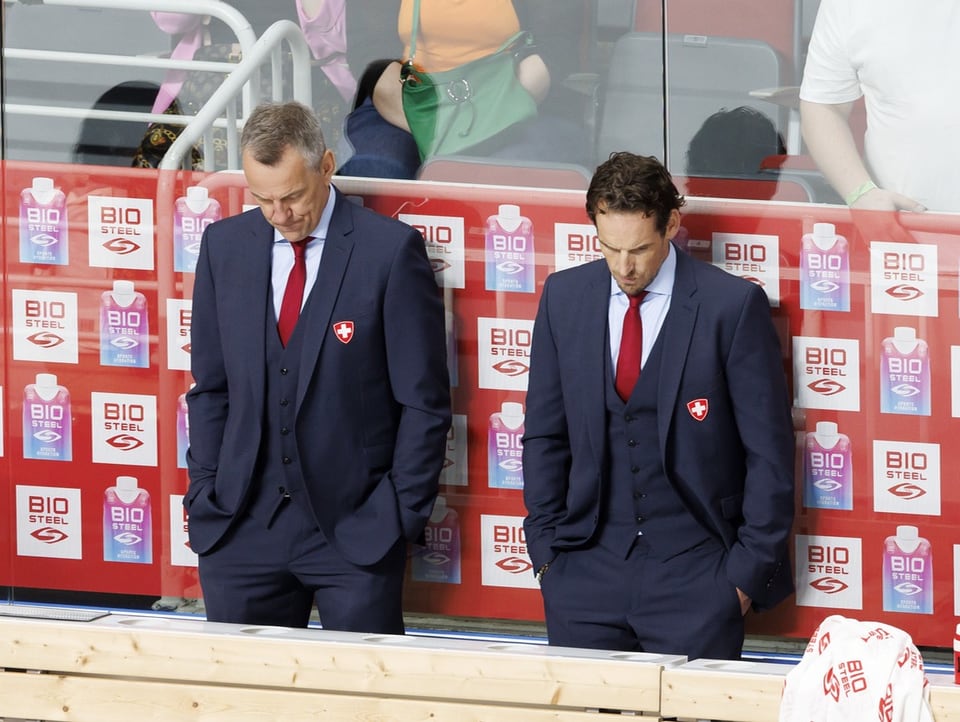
{"points": [[201, 37], [376, 131], [659, 501], [733, 142], [901, 59], [114, 142]]}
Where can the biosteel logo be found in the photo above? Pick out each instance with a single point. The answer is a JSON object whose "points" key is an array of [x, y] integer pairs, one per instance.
{"points": [[513, 344], [504, 353], [826, 373], [49, 535], [45, 339], [511, 540], [48, 522], [906, 477], [831, 562], [753, 257], [828, 363], [120, 232], [575, 244], [904, 278], [443, 238], [124, 223], [124, 428], [903, 267]]}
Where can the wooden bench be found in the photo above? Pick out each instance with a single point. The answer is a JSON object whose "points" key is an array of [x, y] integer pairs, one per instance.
{"points": [[96, 667], [128, 668]]}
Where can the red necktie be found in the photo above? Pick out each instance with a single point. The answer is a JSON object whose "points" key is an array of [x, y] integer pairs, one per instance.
{"points": [[293, 293], [631, 347]]}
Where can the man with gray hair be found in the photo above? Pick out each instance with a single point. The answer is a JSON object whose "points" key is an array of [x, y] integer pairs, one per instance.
{"points": [[319, 416]]}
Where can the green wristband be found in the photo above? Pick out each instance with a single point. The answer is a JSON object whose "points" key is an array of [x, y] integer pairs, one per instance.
{"points": [[859, 192]]}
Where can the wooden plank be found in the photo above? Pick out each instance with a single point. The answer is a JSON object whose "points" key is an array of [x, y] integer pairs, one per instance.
{"points": [[944, 698], [58, 698], [314, 660], [738, 695]]}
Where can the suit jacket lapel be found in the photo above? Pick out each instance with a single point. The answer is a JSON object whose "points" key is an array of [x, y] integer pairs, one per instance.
{"points": [[337, 249], [677, 335]]}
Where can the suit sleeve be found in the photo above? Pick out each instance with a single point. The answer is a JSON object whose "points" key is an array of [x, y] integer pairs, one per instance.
{"points": [[207, 399], [546, 444], [417, 364], [758, 562]]}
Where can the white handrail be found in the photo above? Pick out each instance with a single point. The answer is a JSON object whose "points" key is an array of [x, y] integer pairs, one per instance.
{"points": [[215, 8], [238, 75], [268, 44]]}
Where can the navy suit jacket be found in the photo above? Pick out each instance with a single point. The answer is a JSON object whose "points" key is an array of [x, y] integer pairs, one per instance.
{"points": [[371, 415], [734, 469]]}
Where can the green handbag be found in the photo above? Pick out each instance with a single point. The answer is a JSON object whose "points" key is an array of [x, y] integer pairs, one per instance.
{"points": [[451, 111]]}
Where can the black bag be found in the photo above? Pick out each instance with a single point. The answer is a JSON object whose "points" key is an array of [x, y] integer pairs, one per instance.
{"points": [[198, 87]]}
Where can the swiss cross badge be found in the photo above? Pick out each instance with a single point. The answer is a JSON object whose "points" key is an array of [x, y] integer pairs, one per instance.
{"points": [[698, 409], [343, 330]]}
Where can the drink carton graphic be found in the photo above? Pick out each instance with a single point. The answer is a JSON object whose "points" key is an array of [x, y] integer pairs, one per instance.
{"points": [[510, 261], [43, 224], [907, 572], [183, 430], [192, 213], [440, 560], [504, 449], [124, 327], [127, 523], [824, 270], [904, 373], [47, 427], [827, 469]]}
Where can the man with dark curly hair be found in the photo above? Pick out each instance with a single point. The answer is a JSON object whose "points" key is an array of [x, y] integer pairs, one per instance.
{"points": [[658, 452]]}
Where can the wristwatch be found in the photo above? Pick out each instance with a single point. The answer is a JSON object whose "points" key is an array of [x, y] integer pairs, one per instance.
{"points": [[541, 571]]}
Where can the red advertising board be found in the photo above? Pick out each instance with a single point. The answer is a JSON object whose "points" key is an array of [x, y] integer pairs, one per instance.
{"points": [[866, 304]]}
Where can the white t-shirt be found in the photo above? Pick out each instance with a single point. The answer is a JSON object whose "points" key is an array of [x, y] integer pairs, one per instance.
{"points": [[903, 57]]}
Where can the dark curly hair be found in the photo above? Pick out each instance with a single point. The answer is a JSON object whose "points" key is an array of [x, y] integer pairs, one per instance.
{"points": [[628, 182]]}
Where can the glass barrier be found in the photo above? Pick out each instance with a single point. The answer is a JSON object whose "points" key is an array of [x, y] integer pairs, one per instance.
{"points": [[865, 301]]}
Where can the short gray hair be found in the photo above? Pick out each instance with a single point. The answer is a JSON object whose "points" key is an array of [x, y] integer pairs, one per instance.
{"points": [[273, 127]]}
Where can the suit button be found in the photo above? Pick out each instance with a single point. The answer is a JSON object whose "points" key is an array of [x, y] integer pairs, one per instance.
{"points": [[283, 372], [640, 518], [283, 492], [284, 402], [634, 469], [631, 443], [286, 460], [284, 431], [628, 418]]}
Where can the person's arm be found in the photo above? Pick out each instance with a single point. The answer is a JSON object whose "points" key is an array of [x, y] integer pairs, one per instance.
{"points": [[826, 132], [323, 23], [388, 98], [533, 75], [762, 410], [207, 400], [413, 320], [546, 444]]}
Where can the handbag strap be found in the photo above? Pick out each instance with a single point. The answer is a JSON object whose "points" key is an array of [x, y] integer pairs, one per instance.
{"points": [[414, 31]]}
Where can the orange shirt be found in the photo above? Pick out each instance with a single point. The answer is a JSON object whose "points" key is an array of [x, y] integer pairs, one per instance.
{"points": [[454, 32]]}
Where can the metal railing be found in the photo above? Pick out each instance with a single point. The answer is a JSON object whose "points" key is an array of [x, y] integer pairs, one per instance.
{"points": [[229, 105]]}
